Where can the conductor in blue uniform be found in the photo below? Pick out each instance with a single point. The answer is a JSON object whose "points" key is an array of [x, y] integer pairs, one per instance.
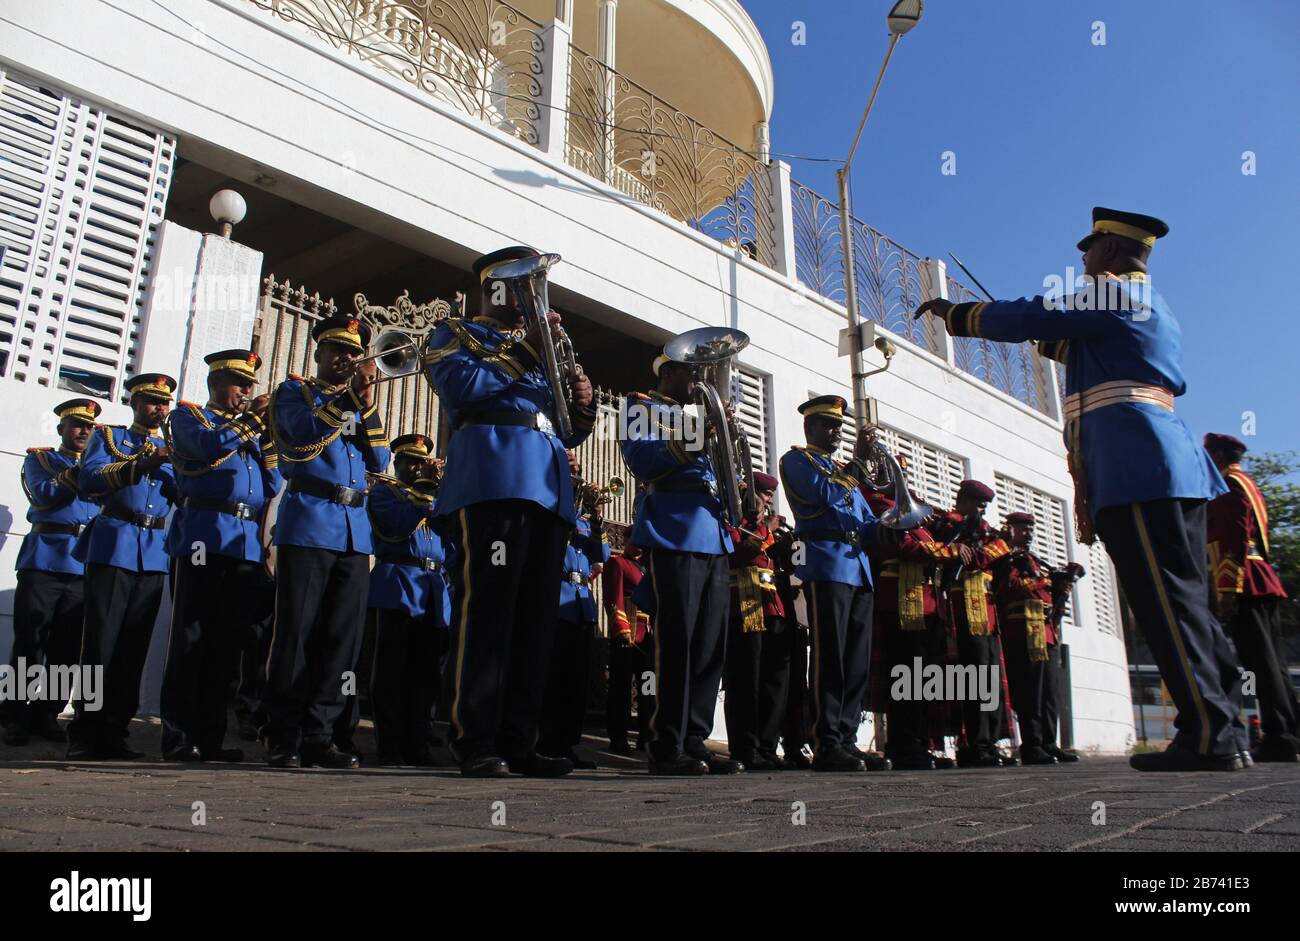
{"points": [[833, 527], [227, 473], [328, 434], [505, 507], [1141, 479], [49, 599], [679, 524], [409, 596], [129, 471]]}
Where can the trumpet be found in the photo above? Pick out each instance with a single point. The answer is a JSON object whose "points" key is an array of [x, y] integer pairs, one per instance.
{"points": [[591, 494], [396, 356], [436, 463]]}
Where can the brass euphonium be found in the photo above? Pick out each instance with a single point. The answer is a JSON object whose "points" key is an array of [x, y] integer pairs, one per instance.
{"points": [[906, 513], [710, 351], [526, 280]]}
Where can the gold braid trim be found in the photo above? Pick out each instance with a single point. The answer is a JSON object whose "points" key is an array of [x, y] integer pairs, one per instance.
{"points": [[291, 452], [1035, 617], [167, 437], [750, 593], [911, 596], [499, 357], [977, 612]]}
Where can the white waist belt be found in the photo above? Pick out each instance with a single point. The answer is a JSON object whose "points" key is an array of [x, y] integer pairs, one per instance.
{"points": [[1116, 393]]}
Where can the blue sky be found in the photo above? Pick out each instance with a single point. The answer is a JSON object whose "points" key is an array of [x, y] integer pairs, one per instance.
{"points": [[1045, 125]]}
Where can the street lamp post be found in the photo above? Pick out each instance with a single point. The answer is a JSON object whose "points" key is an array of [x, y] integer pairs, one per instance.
{"points": [[902, 17]]}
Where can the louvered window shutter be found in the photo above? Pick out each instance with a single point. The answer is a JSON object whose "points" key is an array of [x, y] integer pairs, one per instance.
{"points": [[751, 410], [81, 194]]}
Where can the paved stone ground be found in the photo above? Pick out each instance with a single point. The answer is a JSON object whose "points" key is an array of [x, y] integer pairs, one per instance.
{"points": [[48, 804]]}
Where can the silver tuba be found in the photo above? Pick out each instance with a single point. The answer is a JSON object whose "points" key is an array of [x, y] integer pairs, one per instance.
{"points": [[710, 351], [906, 513], [526, 278]]}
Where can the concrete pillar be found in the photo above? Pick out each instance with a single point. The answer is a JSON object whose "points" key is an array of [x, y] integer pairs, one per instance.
{"points": [[934, 283], [552, 131], [607, 51], [782, 219]]}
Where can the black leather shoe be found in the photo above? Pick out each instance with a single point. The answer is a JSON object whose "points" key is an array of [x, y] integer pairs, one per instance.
{"points": [[943, 763], [1247, 759], [582, 764], [16, 735], [284, 759], [1006, 761], [922, 762], [118, 751], [80, 751], [50, 730], [877, 763], [1181, 759], [186, 753], [489, 766], [719, 765], [1061, 755], [759, 761], [331, 757], [1036, 756], [798, 761], [978, 761], [682, 765], [620, 747], [838, 760], [1270, 752], [540, 766], [231, 756]]}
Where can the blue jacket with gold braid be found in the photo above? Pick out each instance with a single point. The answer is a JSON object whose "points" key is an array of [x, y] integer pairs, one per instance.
{"points": [[679, 509], [824, 496], [227, 457], [50, 480], [1122, 349], [585, 550], [483, 374], [308, 421], [109, 473], [400, 518]]}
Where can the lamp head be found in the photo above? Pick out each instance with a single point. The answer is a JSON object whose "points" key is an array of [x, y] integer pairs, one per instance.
{"points": [[904, 15], [228, 209]]}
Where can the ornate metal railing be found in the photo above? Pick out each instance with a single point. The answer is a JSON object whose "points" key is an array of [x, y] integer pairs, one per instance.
{"points": [[889, 289], [623, 134], [888, 276], [482, 57], [282, 336]]}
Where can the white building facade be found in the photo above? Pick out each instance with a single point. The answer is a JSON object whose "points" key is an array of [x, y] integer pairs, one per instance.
{"points": [[383, 144]]}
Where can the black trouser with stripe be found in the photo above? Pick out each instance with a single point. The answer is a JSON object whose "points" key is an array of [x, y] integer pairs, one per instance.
{"points": [[509, 555], [404, 681], [1158, 548], [564, 704], [908, 716], [795, 732], [121, 607], [1256, 630], [981, 728], [49, 611], [841, 660], [758, 677], [1053, 689], [213, 606], [690, 646], [1028, 681], [628, 665], [320, 606], [254, 648]]}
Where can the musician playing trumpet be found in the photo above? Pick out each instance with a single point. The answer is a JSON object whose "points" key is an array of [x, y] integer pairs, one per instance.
{"points": [[506, 507]]}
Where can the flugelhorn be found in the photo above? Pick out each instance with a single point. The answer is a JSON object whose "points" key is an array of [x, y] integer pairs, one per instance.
{"points": [[592, 494], [710, 351]]}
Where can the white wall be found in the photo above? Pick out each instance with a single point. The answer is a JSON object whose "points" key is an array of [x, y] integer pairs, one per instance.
{"points": [[350, 141]]}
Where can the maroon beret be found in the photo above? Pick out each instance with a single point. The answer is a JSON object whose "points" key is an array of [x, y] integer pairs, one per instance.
{"points": [[765, 482], [975, 489], [1226, 442], [1020, 519]]}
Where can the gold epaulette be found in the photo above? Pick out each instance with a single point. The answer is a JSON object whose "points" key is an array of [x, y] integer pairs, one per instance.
{"points": [[189, 404]]}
